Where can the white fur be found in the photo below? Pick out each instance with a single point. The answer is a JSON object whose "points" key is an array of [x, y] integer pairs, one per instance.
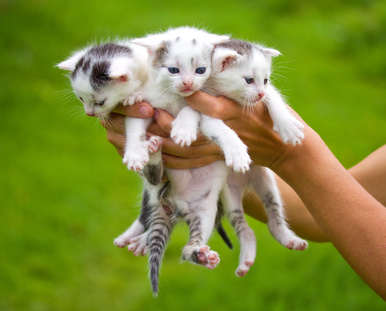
{"points": [[228, 78]]}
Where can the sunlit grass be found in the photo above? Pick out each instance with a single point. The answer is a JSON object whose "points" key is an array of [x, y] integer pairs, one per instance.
{"points": [[65, 195]]}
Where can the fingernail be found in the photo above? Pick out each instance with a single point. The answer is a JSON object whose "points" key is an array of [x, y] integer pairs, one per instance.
{"points": [[145, 111], [156, 114]]}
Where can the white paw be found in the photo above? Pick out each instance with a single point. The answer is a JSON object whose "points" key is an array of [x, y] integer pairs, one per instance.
{"points": [[132, 99], [296, 244], [290, 131], [136, 160], [238, 160], [243, 268], [121, 242], [154, 143], [135, 230], [138, 245], [207, 258], [183, 137]]}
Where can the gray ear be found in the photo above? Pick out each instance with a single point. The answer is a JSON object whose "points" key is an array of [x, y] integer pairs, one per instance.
{"points": [[222, 58], [70, 63]]}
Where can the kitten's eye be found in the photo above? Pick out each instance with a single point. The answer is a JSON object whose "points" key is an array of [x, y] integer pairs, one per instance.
{"points": [[101, 103], [173, 70], [265, 81], [200, 70], [81, 99], [249, 80]]}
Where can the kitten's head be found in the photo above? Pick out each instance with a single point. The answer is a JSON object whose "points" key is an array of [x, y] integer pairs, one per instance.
{"points": [[101, 77], [180, 59], [242, 70]]}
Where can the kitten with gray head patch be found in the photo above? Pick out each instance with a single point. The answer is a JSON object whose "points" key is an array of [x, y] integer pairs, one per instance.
{"points": [[102, 76], [241, 71]]}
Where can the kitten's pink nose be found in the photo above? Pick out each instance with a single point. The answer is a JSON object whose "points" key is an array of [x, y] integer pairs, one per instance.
{"points": [[90, 113], [261, 95], [187, 83]]}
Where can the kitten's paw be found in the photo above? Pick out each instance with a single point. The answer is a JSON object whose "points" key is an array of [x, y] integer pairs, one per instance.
{"points": [[290, 131], [132, 99], [138, 245], [238, 161], [296, 244], [136, 161], [136, 229], [243, 268], [154, 143], [183, 137], [206, 257]]}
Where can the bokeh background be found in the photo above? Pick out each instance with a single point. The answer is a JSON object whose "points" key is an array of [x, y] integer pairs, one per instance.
{"points": [[65, 195]]}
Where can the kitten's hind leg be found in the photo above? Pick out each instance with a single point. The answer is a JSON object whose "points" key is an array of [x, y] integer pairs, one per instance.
{"points": [[201, 224], [135, 230], [265, 186], [232, 201], [138, 244]]}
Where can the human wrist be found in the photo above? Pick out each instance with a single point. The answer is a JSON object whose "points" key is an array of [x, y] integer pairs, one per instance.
{"points": [[299, 159]]}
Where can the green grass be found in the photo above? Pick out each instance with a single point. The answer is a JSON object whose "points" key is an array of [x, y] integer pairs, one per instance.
{"points": [[65, 194]]}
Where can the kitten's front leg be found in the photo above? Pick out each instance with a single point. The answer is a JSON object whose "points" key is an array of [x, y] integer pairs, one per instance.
{"points": [[235, 151], [185, 126], [133, 98], [137, 149], [289, 128]]}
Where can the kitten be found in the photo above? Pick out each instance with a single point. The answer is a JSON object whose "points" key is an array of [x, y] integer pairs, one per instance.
{"points": [[241, 71], [179, 65], [102, 76]]}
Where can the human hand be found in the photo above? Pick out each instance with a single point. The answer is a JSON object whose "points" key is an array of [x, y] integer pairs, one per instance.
{"points": [[252, 124], [202, 152]]}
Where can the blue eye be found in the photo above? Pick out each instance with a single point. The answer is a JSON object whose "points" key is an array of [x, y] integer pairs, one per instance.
{"points": [[249, 80], [101, 103], [173, 70], [200, 70]]}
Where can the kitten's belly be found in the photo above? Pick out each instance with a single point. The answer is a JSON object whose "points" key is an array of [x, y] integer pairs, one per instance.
{"points": [[190, 183]]}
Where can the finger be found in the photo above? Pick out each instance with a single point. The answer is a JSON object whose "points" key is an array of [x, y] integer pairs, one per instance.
{"points": [[164, 120], [115, 123], [215, 107], [155, 129], [118, 141], [187, 163], [193, 151], [138, 110]]}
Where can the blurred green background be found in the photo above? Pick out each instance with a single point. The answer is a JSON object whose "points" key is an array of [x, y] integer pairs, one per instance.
{"points": [[64, 194]]}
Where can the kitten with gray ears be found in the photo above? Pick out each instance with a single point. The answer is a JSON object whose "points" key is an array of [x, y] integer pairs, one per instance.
{"points": [[241, 71], [102, 76]]}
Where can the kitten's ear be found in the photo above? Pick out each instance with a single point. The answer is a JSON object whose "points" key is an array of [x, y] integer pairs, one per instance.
{"points": [[120, 69], [151, 43], [271, 52], [218, 39], [70, 63], [223, 58]]}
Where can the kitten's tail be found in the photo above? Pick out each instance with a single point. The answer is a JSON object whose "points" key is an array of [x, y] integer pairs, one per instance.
{"points": [[219, 227], [158, 237]]}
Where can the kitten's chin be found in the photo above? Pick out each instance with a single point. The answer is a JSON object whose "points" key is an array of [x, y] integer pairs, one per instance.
{"points": [[187, 91]]}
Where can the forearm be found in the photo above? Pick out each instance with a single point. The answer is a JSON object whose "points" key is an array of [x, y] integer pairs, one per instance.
{"points": [[351, 218]]}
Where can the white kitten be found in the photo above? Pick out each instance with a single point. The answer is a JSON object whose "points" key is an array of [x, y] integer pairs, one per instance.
{"points": [[179, 65], [102, 76], [241, 71]]}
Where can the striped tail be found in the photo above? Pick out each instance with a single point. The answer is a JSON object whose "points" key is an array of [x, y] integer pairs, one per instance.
{"points": [[160, 231]]}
